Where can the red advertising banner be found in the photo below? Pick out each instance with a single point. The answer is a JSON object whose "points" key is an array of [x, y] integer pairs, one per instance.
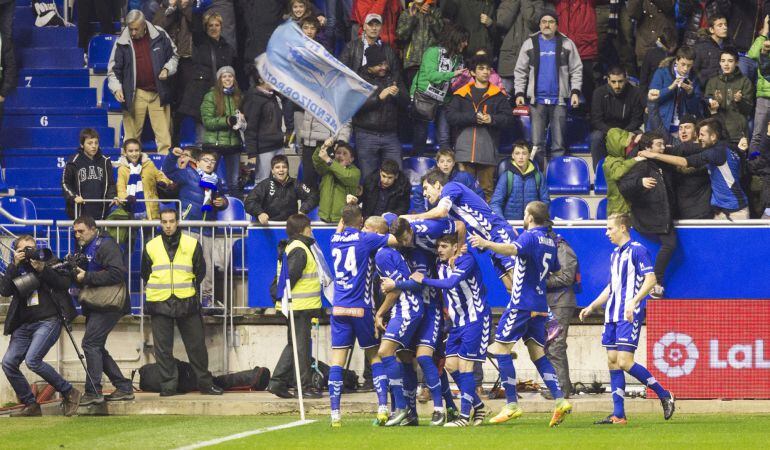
{"points": [[710, 348]]}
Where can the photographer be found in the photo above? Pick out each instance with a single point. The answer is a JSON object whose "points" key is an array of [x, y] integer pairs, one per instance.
{"points": [[34, 325], [105, 268]]}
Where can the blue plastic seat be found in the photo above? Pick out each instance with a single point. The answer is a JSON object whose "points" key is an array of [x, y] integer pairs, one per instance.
{"points": [[187, 132], [577, 136], [108, 100], [417, 166], [601, 210], [240, 257], [19, 207], [570, 208], [568, 175], [600, 182], [99, 50], [234, 212]]}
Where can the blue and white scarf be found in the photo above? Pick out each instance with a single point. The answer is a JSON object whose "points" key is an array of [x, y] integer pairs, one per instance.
{"points": [[208, 183], [135, 189]]}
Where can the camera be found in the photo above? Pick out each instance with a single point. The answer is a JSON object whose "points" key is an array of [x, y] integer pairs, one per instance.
{"points": [[26, 284], [37, 254]]}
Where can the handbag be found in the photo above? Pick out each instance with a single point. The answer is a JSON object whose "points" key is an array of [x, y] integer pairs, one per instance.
{"points": [[424, 107], [103, 298]]}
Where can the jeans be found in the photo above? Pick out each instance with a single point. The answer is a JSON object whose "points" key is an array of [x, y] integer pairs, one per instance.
{"points": [[98, 360], [761, 117], [283, 374], [543, 117], [191, 331], [421, 132], [668, 243], [598, 147], [374, 147], [232, 163], [30, 343], [557, 351]]}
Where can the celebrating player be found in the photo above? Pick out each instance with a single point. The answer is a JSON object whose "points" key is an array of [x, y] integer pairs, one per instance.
{"points": [[527, 311], [631, 279]]}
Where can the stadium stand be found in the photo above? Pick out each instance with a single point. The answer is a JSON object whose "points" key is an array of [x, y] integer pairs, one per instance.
{"points": [[600, 182], [570, 208], [568, 175], [99, 50]]}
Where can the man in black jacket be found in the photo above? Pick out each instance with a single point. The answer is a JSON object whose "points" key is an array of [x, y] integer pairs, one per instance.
{"points": [[276, 197], [353, 55], [105, 268], [648, 188], [88, 175], [692, 186], [375, 124], [709, 48], [264, 133], [34, 324], [385, 191], [617, 104]]}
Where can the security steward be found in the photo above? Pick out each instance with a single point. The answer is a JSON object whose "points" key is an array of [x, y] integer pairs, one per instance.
{"points": [[172, 269], [306, 304]]}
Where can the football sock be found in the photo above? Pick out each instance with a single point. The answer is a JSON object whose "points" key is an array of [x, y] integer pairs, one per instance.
{"points": [[335, 386], [410, 385], [393, 369], [639, 372], [380, 383], [446, 391], [507, 376], [548, 374], [467, 391], [618, 387], [432, 380]]}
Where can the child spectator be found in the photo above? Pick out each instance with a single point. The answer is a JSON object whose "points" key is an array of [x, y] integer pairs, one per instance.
{"points": [[276, 198], [339, 178], [385, 191], [137, 180], [445, 162], [264, 136], [519, 182], [675, 89], [709, 48], [730, 97], [88, 175]]}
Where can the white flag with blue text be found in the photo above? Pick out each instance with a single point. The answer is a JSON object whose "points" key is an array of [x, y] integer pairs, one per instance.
{"points": [[303, 71]]}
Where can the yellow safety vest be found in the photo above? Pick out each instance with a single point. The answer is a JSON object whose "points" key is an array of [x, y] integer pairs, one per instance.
{"points": [[306, 294], [171, 278]]}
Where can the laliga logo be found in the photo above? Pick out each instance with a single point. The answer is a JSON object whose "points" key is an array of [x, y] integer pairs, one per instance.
{"points": [[675, 354]]}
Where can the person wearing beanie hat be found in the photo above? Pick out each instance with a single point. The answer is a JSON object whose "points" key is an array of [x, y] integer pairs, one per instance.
{"points": [[548, 13], [375, 55]]}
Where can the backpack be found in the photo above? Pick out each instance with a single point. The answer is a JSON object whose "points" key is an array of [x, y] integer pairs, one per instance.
{"points": [[577, 286], [149, 377]]}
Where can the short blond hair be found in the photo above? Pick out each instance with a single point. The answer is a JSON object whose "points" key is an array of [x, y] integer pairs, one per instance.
{"points": [[621, 219]]}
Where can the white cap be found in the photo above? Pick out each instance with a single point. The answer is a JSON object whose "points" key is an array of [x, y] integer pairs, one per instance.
{"points": [[373, 16]]}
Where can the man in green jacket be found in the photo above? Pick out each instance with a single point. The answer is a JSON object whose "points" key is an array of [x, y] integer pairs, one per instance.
{"points": [[730, 97], [339, 178], [620, 143]]}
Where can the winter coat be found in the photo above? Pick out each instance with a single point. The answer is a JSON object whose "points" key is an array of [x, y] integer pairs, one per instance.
{"points": [[121, 70], [763, 86], [388, 9], [190, 192], [734, 115], [560, 292], [760, 167], [431, 73], [688, 104], [746, 17], [208, 56], [178, 23], [517, 19], [652, 210], [257, 19], [706, 65], [279, 200], [515, 189], [151, 176], [337, 181], [396, 197], [417, 33], [467, 13], [616, 164], [695, 13], [353, 55], [648, 66], [8, 69], [312, 131], [377, 115], [264, 118], [570, 73], [477, 143], [610, 110], [419, 203], [465, 77], [577, 19], [654, 19], [218, 132], [692, 186], [80, 170]]}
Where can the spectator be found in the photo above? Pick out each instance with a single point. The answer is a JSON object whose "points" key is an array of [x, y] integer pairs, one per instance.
{"points": [[105, 268], [339, 178], [619, 144], [226, 10], [615, 35], [376, 122], [222, 121], [210, 53], [579, 24], [724, 165], [8, 70], [519, 182], [142, 60], [730, 97], [654, 19], [760, 167], [744, 17], [694, 17], [439, 65], [517, 19], [708, 49], [445, 162], [760, 53], [7, 8], [617, 104], [34, 324], [257, 19], [387, 190], [302, 276], [103, 11], [387, 10], [354, 53], [548, 94], [276, 198], [137, 180], [419, 28], [476, 16], [478, 111], [88, 175], [264, 136], [648, 188], [560, 295], [172, 269], [465, 76], [675, 89], [652, 60]]}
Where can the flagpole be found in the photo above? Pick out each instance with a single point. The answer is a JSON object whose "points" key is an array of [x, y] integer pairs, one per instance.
{"points": [[294, 351]]}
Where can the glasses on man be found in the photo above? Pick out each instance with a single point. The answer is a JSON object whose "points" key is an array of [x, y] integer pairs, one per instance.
{"points": [[208, 160]]}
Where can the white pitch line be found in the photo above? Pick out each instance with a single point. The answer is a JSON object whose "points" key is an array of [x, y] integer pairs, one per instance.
{"points": [[244, 434]]}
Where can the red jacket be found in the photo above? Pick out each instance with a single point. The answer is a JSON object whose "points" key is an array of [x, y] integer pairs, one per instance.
{"points": [[388, 9], [577, 20]]}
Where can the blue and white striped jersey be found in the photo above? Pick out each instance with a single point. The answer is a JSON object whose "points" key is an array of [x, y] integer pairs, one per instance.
{"points": [[465, 295], [352, 251], [426, 231], [628, 266], [391, 264], [464, 204], [537, 257], [423, 261]]}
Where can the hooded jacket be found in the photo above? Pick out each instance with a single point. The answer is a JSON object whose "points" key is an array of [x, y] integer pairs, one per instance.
{"points": [[510, 198], [378, 115], [517, 19], [734, 115], [218, 132], [763, 85], [190, 192], [610, 110], [478, 143], [617, 164], [151, 176], [418, 32], [671, 99], [279, 200], [337, 181], [92, 179], [264, 117], [651, 209], [569, 75], [395, 199], [121, 70]]}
